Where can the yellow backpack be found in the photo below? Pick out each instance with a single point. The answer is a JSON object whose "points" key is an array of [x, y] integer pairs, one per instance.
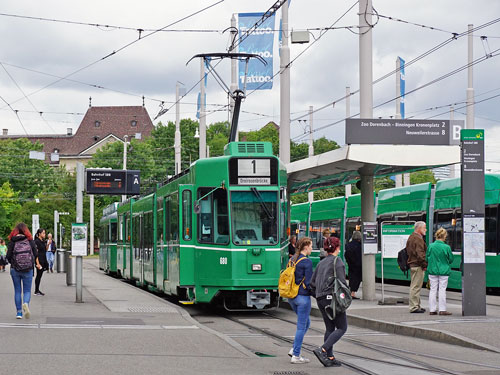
{"points": [[286, 285]]}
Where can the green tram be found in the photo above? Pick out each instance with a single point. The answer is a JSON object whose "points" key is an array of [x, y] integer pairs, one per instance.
{"points": [[215, 233], [108, 236], [439, 206]]}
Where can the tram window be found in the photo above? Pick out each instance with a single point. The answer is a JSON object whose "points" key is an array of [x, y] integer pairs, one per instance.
{"points": [[120, 228], [445, 220], [127, 228], [214, 205], [136, 235], [283, 214], [148, 235], [352, 224], [316, 235], [254, 217], [401, 217], [114, 227], [491, 213], [301, 231], [159, 220], [187, 208], [417, 216], [174, 218]]}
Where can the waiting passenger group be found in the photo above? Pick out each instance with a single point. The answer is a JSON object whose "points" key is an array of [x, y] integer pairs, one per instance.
{"points": [[25, 253], [436, 260]]}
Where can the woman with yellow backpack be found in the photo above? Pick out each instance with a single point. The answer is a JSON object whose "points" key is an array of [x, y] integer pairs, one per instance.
{"points": [[301, 303]]}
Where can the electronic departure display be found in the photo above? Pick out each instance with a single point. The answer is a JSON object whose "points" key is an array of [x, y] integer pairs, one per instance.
{"points": [[114, 182]]}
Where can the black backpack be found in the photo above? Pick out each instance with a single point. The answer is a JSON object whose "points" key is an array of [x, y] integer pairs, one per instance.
{"points": [[341, 295], [22, 258], [403, 261]]}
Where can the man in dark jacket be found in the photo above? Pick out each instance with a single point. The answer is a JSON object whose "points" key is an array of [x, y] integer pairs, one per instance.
{"points": [[416, 249], [354, 257]]}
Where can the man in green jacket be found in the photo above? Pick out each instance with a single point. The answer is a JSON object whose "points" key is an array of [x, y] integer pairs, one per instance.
{"points": [[439, 258], [416, 249]]}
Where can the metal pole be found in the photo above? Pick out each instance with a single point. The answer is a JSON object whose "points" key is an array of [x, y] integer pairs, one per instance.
{"points": [[125, 137], [452, 167], [398, 90], [80, 170], [177, 142], [311, 144], [234, 70], [60, 237], [91, 234], [348, 188], [366, 111], [203, 124], [470, 89], [284, 88], [56, 221]]}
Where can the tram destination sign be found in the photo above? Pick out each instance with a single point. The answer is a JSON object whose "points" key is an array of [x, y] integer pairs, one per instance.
{"points": [[112, 181], [398, 132]]}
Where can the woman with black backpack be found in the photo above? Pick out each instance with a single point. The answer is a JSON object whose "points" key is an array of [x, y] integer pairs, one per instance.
{"points": [[322, 288], [22, 255]]}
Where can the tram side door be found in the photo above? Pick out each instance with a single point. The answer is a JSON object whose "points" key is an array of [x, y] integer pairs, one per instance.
{"points": [[142, 250]]}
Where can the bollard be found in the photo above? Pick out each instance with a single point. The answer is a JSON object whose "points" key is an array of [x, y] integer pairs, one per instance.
{"points": [[71, 270], [60, 261]]}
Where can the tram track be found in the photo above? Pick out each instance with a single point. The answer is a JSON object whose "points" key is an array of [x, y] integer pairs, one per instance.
{"points": [[308, 347]]}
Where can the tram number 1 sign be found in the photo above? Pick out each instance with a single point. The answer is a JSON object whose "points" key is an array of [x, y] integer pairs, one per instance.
{"points": [[253, 171]]}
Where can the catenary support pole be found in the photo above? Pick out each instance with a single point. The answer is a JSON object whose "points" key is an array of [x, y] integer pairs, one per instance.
{"points": [[470, 84], [177, 141], [311, 145], [203, 119], [284, 88], [348, 188], [366, 111], [56, 222], [125, 137], [399, 177], [234, 70], [80, 170], [91, 221]]}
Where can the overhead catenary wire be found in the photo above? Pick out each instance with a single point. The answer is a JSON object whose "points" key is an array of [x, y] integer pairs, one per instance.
{"points": [[123, 47], [407, 64]]}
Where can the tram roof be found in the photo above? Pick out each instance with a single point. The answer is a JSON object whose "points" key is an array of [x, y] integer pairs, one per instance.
{"points": [[342, 166]]}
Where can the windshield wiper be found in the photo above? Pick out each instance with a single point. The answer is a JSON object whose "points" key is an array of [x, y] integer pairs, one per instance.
{"points": [[262, 203]]}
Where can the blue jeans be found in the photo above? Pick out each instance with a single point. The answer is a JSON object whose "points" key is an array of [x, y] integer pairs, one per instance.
{"points": [[302, 307], [26, 279], [50, 259]]}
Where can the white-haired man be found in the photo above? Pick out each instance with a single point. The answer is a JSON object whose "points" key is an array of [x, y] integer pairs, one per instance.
{"points": [[416, 249]]}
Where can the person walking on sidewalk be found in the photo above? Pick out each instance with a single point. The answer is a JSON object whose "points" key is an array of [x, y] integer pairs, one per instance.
{"points": [[22, 255], [41, 247], [301, 304], [439, 259], [354, 259], [3, 255], [322, 283], [416, 249], [51, 250]]}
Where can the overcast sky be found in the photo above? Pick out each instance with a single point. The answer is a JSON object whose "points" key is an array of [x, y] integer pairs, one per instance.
{"points": [[151, 66]]}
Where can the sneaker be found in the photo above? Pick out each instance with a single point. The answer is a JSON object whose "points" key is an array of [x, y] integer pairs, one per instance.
{"points": [[299, 359], [333, 363], [39, 294], [290, 353], [322, 356], [26, 311], [445, 313], [19, 315]]}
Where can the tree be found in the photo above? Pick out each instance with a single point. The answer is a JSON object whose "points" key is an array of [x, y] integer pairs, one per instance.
{"points": [[422, 176], [9, 204]]}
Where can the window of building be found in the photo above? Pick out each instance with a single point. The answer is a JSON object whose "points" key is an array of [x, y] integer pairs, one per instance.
{"points": [[133, 123], [97, 124]]}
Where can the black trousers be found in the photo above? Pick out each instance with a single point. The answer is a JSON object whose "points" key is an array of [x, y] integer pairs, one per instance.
{"points": [[38, 278], [335, 328], [355, 277]]}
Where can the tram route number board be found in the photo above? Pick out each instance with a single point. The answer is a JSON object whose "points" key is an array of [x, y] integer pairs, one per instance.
{"points": [[254, 171]]}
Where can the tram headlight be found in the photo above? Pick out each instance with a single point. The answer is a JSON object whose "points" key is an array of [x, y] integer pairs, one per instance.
{"points": [[256, 267]]}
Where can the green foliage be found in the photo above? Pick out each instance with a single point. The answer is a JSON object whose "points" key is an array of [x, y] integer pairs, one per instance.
{"points": [[422, 176], [268, 133], [9, 204]]}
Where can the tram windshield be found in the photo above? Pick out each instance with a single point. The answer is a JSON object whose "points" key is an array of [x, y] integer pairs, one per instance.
{"points": [[254, 217]]}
